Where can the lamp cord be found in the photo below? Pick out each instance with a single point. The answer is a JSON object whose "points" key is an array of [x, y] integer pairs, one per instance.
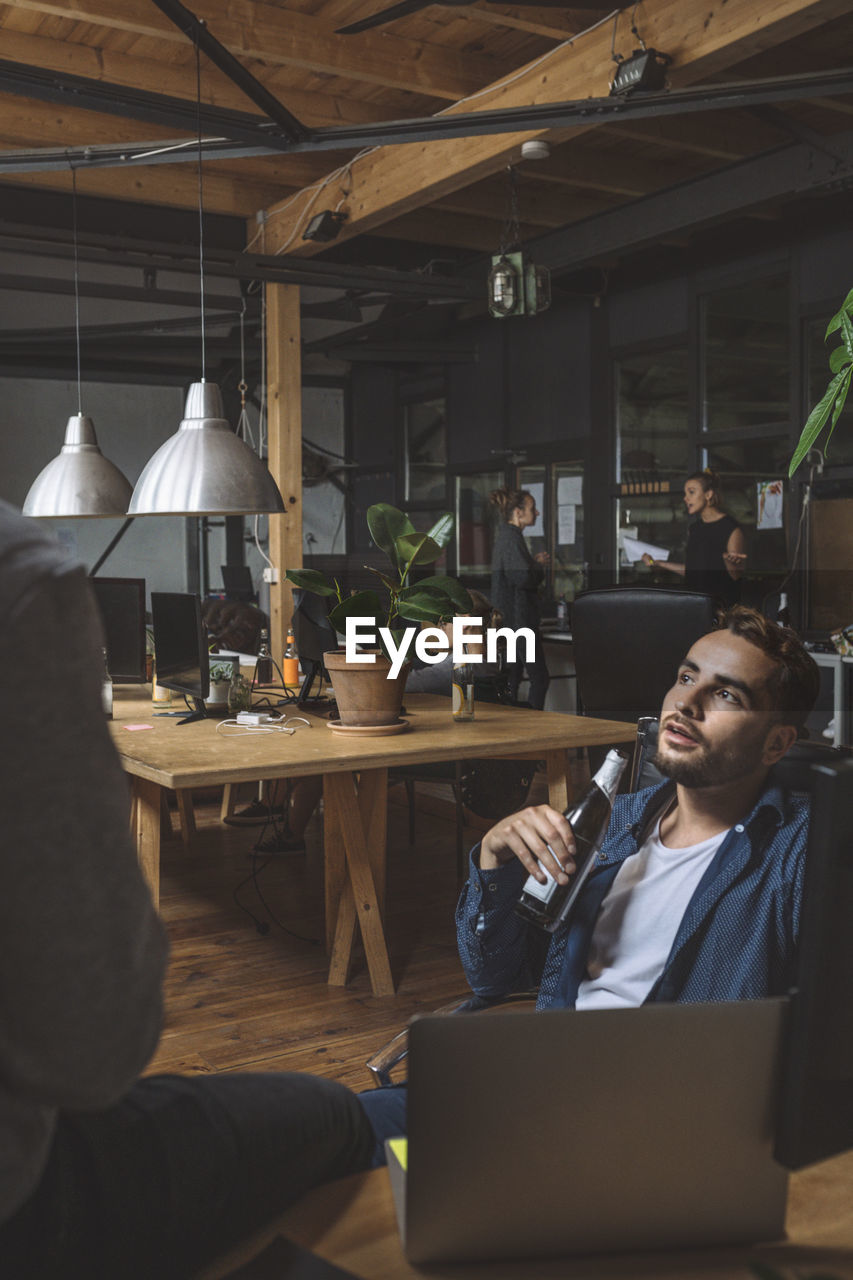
{"points": [[200, 204], [76, 285]]}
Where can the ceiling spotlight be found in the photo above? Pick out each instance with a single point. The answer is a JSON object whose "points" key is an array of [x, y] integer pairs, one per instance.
{"points": [[535, 149], [324, 226], [644, 71]]}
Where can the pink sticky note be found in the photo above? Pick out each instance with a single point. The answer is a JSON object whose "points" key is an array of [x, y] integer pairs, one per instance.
{"points": [[131, 728]]}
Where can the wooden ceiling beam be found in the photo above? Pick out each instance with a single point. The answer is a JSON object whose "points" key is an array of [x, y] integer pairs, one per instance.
{"points": [[539, 206], [315, 108], [285, 37], [393, 180], [223, 192]]}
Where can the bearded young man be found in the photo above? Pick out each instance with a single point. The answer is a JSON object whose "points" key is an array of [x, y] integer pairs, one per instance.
{"points": [[696, 892]]}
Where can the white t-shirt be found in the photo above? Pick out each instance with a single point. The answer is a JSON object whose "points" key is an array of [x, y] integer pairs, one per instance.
{"points": [[639, 919]]}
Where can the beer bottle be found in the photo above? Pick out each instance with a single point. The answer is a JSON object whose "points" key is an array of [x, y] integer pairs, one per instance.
{"points": [[547, 905], [263, 667], [290, 663]]}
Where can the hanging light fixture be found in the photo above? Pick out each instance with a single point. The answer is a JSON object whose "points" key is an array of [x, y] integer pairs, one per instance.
{"points": [[516, 287], [204, 468], [80, 481]]}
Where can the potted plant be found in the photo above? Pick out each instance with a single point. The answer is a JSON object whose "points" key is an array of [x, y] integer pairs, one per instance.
{"points": [[828, 408], [221, 673], [364, 693]]}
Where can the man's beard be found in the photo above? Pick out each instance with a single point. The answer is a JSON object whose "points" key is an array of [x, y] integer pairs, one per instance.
{"points": [[709, 767]]}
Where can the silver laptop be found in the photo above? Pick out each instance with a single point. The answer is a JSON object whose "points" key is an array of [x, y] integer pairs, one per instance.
{"points": [[535, 1134]]}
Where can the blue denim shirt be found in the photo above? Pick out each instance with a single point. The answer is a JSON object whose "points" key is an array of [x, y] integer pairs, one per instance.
{"points": [[737, 939]]}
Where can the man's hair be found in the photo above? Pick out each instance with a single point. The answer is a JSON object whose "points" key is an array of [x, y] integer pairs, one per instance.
{"points": [[795, 680]]}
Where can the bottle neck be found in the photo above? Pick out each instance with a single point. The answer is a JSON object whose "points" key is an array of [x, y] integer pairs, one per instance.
{"points": [[609, 775]]}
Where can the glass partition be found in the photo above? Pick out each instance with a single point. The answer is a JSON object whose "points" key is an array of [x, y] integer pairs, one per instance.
{"points": [[746, 355], [476, 519], [425, 451]]}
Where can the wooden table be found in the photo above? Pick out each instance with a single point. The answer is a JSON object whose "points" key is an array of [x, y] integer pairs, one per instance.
{"points": [[352, 1224], [164, 754]]}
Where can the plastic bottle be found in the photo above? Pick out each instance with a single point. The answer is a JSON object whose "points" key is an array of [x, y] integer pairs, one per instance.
{"points": [[547, 905], [290, 662]]}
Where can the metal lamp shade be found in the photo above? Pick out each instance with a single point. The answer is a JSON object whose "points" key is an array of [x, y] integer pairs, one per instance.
{"points": [[80, 481], [204, 468]]}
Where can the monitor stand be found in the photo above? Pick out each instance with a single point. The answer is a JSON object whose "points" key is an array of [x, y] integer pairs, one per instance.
{"points": [[198, 712]]}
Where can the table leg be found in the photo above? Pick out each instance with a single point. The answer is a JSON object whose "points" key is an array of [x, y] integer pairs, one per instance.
{"points": [[145, 810], [360, 815], [559, 779], [187, 813]]}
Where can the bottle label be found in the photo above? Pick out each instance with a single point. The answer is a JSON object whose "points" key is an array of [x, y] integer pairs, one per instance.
{"points": [[544, 892]]}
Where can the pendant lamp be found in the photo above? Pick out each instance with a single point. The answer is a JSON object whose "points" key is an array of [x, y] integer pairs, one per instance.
{"points": [[80, 481], [204, 468]]}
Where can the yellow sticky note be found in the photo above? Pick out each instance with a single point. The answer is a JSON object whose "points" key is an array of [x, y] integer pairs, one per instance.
{"points": [[400, 1148]]}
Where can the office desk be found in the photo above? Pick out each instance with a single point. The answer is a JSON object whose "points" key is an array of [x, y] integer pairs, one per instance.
{"points": [[352, 1224], [164, 754]]}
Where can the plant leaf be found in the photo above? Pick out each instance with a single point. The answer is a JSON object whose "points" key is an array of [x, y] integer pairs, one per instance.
{"points": [[442, 531], [311, 580], [386, 524], [425, 608], [389, 582], [847, 334], [451, 587], [838, 358], [417, 548], [835, 322], [839, 404], [364, 604], [815, 422]]}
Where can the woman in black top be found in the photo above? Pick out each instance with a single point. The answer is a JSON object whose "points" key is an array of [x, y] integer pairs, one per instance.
{"points": [[716, 550], [516, 576]]}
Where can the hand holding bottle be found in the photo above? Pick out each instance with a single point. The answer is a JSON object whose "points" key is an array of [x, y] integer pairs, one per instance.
{"points": [[538, 837]]}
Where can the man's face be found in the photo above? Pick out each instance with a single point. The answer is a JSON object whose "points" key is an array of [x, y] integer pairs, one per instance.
{"points": [[716, 723]]}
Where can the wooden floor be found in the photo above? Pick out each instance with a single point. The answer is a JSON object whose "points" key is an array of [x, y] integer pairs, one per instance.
{"points": [[237, 1000]]}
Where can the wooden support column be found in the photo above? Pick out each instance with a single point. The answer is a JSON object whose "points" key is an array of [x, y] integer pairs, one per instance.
{"points": [[284, 418]]}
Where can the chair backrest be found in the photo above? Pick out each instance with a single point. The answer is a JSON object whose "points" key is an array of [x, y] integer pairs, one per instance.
{"points": [[628, 643]]}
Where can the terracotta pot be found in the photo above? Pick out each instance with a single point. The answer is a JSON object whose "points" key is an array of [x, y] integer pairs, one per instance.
{"points": [[363, 692]]}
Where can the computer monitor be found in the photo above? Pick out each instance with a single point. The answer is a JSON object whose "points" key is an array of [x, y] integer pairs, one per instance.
{"points": [[815, 1117], [180, 648], [237, 581], [313, 635], [121, 602]]}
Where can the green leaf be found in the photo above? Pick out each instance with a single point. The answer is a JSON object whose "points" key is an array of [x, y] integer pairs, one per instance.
{"points": [[392, 586], [839, 405], [835, 322], [310, 580], [815, 422], [422, 609], [450, 587], [364, 604], [442, 531], [838, 358], [847, 334], [386, 524], [417, 548]]}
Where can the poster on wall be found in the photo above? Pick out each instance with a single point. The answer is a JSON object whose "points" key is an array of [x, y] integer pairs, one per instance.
{"points": [[769, 504]]}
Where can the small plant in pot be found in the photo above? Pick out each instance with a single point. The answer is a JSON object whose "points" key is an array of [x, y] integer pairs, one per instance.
{"points": [[364, 693], [221, 673]]}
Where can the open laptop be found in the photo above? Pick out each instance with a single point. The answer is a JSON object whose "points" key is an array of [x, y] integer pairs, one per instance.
{"points": [[534, 1134]]}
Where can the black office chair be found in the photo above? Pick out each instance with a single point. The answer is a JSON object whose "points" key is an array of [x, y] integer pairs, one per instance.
{"points": [[628, 643]]}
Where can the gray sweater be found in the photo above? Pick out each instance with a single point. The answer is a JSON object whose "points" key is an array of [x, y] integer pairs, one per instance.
{"points": [[82, 950], [516, 577]]}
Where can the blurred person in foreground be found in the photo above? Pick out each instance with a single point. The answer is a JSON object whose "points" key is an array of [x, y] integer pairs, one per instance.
{"points": [[103, 1175]]}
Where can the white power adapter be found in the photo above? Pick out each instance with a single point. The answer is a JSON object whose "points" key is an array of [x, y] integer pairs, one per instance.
{"points": [[257, 718]]}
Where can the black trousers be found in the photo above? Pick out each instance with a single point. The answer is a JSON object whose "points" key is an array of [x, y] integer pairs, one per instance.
{"points": [[537, 674], [178, 1171]]}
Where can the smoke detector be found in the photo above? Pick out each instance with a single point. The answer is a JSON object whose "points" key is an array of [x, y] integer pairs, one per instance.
{"points": [[535, 149]]}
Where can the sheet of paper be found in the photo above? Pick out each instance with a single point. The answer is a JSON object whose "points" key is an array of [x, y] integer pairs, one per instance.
{"points": [[566, 526], [570, 491], [769, 504], [635, 549], [538, 491]]}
